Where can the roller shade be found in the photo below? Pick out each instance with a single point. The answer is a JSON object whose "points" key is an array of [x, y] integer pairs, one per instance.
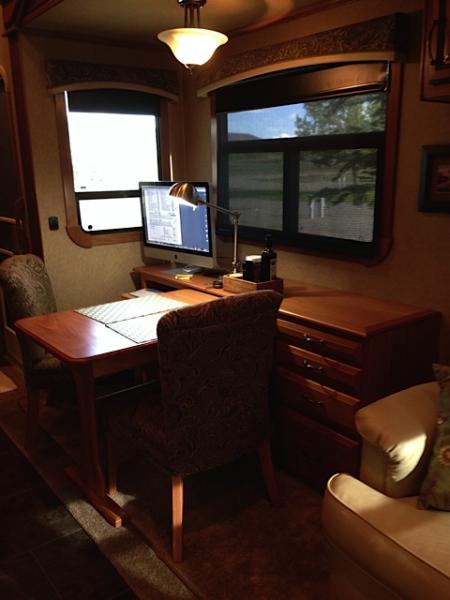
{"points": [[292, 87], [114, 101]]}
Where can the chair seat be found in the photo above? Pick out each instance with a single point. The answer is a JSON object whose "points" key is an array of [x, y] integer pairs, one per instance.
{"points": [[404, 547]]}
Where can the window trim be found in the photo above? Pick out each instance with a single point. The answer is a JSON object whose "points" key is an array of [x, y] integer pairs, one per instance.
{"points": [[73, 227], [384, 215]]}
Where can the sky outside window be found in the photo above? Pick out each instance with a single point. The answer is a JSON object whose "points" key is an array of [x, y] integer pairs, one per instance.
{"points": [[112, 151]]}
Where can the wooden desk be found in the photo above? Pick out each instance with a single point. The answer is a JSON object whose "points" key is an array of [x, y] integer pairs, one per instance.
{"points": [[336, 352], [92, 350]]}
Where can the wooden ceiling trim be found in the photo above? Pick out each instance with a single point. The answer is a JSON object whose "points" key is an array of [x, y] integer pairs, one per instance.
{"points": [[18, 12]]}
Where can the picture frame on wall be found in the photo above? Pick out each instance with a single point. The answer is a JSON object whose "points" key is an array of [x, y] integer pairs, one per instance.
{"points": [[434, 194]]}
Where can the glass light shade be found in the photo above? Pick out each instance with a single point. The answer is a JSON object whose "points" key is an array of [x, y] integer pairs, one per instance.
{"points": [[192, 45]]}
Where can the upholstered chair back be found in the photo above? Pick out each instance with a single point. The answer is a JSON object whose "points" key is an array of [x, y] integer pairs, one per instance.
{"points": [[28, 292], [215, 367]]}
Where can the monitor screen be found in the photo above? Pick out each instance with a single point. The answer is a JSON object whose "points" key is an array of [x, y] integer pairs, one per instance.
{"points": [[175, 231]]}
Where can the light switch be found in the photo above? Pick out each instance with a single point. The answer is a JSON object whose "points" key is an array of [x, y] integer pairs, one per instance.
{"points": [[53, 223]]}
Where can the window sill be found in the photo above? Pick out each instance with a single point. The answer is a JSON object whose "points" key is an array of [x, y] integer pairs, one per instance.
{"points": [[87, 240]]}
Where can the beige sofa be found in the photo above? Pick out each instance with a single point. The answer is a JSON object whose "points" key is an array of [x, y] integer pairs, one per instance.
{"points": [[382, 545]]}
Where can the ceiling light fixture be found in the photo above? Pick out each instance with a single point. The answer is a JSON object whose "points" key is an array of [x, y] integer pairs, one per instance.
{"points": [[191, 44]]}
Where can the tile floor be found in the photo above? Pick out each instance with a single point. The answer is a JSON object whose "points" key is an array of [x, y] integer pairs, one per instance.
{"points": [[44, 554]]}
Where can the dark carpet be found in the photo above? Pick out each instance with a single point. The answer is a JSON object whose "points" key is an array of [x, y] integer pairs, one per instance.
{"points": [[237, 545]]}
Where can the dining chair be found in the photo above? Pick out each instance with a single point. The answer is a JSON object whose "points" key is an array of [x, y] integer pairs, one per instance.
{"points": [[28, 292], [215, 367]]}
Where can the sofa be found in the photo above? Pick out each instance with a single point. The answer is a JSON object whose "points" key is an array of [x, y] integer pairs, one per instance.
{"points": [[383, 544]]}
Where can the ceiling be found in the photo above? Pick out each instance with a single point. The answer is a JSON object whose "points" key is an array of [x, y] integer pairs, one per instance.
{"points": [[139, 21]]}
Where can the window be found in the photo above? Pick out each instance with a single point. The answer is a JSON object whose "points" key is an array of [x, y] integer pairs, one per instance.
{"points": [[302, 155], [112, 144]]}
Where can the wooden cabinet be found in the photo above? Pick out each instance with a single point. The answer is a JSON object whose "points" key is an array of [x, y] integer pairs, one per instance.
{"points": [[436, 51], [336, 352]]}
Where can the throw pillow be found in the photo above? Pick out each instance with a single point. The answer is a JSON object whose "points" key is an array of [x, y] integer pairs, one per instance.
{"points": [[435, 490]]}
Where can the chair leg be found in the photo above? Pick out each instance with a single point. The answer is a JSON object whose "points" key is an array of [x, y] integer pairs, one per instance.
{"points": [[265, 460], [32, 418], [177, 518], [111, 465]]}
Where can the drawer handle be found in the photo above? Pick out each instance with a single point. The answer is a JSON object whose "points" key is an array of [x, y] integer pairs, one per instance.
{"points": [[309, 339], [312, 368], [313, 401]]}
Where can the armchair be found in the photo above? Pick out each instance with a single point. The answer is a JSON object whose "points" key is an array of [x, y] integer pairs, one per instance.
{"points": [[28, 292], [383, 545]]}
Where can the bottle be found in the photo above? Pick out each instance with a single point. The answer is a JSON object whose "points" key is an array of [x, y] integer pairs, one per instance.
{"points": [[268, 261]]}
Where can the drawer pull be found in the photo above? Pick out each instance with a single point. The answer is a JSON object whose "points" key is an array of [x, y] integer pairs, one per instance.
{"points": [[310, 367], [313, 401], [309, 339]]}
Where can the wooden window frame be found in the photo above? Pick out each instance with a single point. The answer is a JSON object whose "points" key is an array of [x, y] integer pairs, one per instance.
{"points": [[385, 209], [73, 227]]}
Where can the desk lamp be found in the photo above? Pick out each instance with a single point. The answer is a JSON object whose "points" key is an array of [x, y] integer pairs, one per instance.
{"points": [[188, 193]]}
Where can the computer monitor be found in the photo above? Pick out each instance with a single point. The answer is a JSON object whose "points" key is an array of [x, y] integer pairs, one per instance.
{"points": [[176, 232]]}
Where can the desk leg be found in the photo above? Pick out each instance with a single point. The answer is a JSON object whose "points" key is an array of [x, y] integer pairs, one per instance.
{"points": [[91, 478]]}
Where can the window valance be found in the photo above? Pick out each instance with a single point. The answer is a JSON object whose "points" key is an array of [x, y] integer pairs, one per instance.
{"points": [[65, 75], [380, 39]]}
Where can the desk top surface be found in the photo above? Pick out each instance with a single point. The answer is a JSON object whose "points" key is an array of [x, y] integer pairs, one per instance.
{"points": [[349, 312], [74, 337]]}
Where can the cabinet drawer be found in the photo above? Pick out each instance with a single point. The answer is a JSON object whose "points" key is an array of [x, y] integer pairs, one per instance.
{"points": [[320, 368], [316, 400], [319, 342], [314, 452]]}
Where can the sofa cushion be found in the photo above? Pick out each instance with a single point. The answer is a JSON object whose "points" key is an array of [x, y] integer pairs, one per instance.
{"points": [[435, 490], [404, 548]]}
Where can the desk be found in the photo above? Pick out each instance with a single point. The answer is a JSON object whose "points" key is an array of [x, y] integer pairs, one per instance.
{"points": [[92, 350], [336, 352]]}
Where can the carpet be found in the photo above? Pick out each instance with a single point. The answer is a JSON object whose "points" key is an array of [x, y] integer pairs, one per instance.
{"points": [[236, 544]]}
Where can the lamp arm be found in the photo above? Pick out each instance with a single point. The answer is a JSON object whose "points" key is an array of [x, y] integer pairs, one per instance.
{"points": [[225, 211], [235, 216]]}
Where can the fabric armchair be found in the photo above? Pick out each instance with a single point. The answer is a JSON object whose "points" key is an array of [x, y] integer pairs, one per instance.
{"points": [[383, 545], [28, 292]]}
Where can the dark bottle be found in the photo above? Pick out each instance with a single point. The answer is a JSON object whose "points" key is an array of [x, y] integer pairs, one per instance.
{"points": [[268, 261]]}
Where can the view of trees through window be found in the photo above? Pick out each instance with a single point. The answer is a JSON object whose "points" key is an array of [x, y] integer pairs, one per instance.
{"points": [[326, 152]]}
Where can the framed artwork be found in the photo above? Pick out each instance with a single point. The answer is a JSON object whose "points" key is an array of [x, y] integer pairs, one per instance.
{"points": [[434, 195]]}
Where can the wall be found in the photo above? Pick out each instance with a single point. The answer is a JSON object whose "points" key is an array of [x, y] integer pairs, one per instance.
{"points": [[417, 270], [80, 276]]}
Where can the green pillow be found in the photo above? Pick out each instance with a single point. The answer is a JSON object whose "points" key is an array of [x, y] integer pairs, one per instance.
{"points": [[435, 490]]}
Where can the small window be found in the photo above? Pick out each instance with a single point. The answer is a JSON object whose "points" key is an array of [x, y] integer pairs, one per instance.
{"points": [[302, 155], [112, 144]]}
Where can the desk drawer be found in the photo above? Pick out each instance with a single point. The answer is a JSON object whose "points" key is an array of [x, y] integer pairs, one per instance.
{"points": [[320, 368], [317, 341], [316, 400], [314, 452]]}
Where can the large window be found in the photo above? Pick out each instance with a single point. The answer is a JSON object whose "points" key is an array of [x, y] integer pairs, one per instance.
{"points": [[112, 145], [302, 155]]}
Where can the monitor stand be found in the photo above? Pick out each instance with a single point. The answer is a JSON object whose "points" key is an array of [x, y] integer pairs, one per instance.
{"points": [[195, 270], [186, 270]]}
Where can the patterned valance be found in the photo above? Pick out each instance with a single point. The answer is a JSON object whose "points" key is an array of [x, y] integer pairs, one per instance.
{"points": [[68, 74], [379, 37]]}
